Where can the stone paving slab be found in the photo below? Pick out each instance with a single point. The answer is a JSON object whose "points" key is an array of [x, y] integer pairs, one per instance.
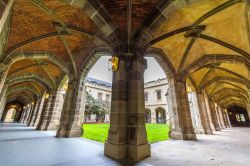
{"points": [[24, 146]]}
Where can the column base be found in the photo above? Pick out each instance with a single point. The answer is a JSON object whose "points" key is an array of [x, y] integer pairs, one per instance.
{"points": [[42, 127], [189, 136], [176, 135], [52, 127], [139, 152], [115, 151], [199, 131], [208, 132], [69, 132], [217, 128]]}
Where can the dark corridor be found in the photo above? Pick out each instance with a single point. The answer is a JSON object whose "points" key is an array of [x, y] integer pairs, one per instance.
{"points": [[238, 117]]}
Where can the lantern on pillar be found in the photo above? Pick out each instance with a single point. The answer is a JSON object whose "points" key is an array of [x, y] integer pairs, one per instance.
{"points": [[65, 87], [46, 95], [113, 63]]}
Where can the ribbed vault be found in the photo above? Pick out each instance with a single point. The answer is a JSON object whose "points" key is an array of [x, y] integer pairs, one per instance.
{"points": [[206, 42]]}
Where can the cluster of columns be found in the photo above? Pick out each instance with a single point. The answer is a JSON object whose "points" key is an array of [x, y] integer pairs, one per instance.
{"points": [[212, 116], [44, 113], [127, 134]]}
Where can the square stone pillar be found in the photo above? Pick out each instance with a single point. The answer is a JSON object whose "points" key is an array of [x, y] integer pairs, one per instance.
{"points": [[42, 122], [51, 114], [214, 116], [3, 74], [127, 133], [194, 109], [176, 132], [116, 144], [220, 114], [25, 113], [73, 110], [224, 113], [204, 114], [2, 100], [54, 112], [138, 146], [34, 113], [185, 119], [30, 113], [39, 112], [228, 119], [209, 112]]}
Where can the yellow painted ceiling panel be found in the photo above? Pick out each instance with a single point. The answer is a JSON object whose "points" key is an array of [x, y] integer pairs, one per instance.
{"points": [[229, 26]]}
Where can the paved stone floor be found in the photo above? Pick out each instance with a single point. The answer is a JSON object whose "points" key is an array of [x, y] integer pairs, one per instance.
{"points": [[24, 146]]}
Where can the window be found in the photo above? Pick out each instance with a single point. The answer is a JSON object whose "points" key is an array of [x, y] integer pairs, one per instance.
{"points": [[100, 96], [146, 96], [158, 93], [107, 97]]}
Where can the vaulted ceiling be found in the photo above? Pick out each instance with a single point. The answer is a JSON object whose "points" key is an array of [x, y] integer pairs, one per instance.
{"points": [[205, 41]]}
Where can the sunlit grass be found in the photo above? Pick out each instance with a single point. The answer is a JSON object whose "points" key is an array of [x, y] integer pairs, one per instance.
{"points": [[99, 132]]}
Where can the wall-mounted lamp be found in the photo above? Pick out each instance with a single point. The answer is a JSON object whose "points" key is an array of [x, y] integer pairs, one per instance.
{"points": [[46, 95], [113, 63], [65, 87]]}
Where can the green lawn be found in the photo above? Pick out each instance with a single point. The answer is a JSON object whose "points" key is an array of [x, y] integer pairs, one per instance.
{"points": [[99, 132]]}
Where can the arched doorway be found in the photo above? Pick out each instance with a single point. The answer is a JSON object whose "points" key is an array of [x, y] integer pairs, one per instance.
{"points": [[238, 116], [12, 112], [160, 115], [148, 115]]}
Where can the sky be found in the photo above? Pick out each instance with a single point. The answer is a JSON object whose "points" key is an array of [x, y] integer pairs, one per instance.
{"points": [[100, 70]]}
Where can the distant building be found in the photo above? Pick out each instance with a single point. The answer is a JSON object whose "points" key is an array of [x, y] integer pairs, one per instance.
{"points": [[155, 99], [100, 90], [156, 104]]}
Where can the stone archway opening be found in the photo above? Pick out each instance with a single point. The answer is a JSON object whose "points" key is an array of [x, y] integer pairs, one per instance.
{"points": [[238, 116], [12, 112], [97, 98], [160, 116]]}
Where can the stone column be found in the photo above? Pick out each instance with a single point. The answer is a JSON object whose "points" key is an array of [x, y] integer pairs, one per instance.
{"points": [[138, 147], [116, 144], [127, 133], [209, 112], [224, 113], [2, 100], [39, 112], [176, 131], [221, 118], [22, 115], [73, 109], [214, 116], [203, 114], [30, 113], [46, 112], [185, 119], [42, 122], [228, 119], [194, 109], [54, 111], [27, 114], [3, 74], [34, 113]]}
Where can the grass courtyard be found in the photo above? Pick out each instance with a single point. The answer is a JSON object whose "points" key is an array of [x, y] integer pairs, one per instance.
{"points": [[99, 132]]}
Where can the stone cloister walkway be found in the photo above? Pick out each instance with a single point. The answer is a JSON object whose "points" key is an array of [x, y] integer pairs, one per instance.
{"points": [[25, 146]]}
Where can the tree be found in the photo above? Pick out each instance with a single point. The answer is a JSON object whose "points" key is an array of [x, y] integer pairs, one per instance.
{"points": [[97, 107]]}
